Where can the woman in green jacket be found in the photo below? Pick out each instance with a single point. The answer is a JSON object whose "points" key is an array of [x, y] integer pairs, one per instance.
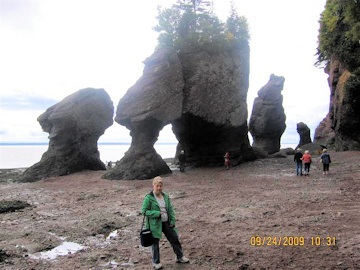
{"points": [[161, 216]]}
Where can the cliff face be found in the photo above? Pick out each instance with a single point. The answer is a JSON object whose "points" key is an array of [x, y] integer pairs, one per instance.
{"points": [[343, 113], [202, 94], [324, 134]]}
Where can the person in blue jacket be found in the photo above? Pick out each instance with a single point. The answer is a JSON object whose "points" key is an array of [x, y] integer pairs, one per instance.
{"points": [[326, 160]]}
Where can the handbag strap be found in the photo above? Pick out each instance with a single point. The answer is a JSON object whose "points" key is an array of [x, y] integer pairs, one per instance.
{"points": [[143, 222]]}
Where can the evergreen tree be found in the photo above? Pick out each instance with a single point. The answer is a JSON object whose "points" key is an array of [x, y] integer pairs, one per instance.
{"points": [[237, 26], [193, 23], [168, 25], [339, 33]]}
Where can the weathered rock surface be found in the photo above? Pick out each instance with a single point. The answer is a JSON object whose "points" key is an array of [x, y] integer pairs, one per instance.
{"points": [[313, 148], [202, 94], [267, 122], [74, 126], [304, 132], [288, 151], [214, 115], [324, 134], [141, 161], [280, 154], [153, 102], [344, 109]]}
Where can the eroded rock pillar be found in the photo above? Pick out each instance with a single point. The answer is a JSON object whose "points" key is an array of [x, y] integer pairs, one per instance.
{"points": [[153, 102], [141, 161], [74, 126], [304, 132], [267, 122]]}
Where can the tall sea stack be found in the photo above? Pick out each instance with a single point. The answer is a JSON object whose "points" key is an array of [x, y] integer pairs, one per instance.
{"points": [[202, 93], [267, 122]]}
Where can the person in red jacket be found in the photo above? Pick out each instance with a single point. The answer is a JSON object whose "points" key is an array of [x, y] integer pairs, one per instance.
{"points": [[306, 158]]}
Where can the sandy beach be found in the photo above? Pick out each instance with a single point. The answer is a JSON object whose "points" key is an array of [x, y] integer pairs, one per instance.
{"points": [[258, 215]]}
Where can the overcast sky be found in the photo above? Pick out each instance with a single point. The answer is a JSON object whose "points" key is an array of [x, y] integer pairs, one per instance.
{"points": [[50, 49]]}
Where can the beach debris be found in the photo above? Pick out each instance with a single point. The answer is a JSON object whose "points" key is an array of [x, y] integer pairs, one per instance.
{"points": [[12, 206], [177, 194]]}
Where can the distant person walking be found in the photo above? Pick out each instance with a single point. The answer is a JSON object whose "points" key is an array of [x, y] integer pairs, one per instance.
{"points": [[161, 216], [326, 160], [306, 158], [297, 159], [182, 160], [227, 160]]}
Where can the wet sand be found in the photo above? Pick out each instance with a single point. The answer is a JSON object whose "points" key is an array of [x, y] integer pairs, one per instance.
{"points": [[258, 215]]}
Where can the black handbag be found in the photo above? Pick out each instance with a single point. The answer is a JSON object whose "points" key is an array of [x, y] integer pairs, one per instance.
{"points": [[146, 238]]}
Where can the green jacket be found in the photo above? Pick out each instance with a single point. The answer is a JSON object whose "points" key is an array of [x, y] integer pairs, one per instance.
{"points": [[151, 209]]}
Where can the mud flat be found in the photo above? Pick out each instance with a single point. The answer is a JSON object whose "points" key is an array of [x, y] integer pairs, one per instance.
{"points": [[227, 219]]}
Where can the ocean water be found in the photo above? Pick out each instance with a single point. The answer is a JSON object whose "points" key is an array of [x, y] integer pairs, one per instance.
{"points": [[23, 156]]}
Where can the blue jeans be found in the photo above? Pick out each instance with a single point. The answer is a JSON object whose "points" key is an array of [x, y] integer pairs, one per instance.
{"points": [[172, 237], [298, 166]]}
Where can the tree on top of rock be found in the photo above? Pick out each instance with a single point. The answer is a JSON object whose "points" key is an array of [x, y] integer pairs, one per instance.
{"points": [[193, 23], [237, 26], [339, 33]]}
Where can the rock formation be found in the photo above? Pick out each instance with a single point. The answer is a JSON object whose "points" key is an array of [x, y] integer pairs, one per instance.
{"points": [[214, 118], [202, 94], [324, 134], [267, 122], [74, 126], [153, 102], [304, 132], [313, 148], [344, 110]]}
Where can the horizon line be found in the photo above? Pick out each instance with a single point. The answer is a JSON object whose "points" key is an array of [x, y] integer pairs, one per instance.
{"points": [[100, 143]]}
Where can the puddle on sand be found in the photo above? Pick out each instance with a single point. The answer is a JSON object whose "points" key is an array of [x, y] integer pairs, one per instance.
{"points": [[65, 248]]}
